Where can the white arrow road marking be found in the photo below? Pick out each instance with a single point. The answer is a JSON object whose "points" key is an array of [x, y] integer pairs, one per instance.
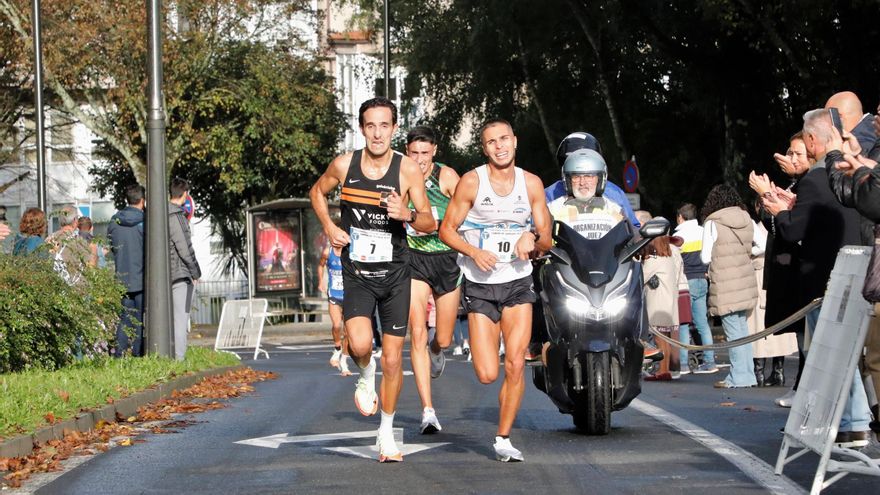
{"points": [[366, 451], [355, 373], [274, 441], [372, 452], [305, 347]]}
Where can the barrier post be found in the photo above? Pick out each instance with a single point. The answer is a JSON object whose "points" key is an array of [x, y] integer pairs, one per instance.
{"points": [[822, 394]]}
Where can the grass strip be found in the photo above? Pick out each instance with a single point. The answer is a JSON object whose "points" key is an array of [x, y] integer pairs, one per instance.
{"points": [[32, 399]]}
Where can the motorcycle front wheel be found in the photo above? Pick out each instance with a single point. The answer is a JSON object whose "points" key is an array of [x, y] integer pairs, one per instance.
{"points": [[593, 406]]}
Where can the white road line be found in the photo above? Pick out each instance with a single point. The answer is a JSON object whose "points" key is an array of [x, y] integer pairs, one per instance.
{"points": [[751, 465]]}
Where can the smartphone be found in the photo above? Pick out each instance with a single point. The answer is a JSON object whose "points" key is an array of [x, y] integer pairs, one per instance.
{"points": [[835, 119]]}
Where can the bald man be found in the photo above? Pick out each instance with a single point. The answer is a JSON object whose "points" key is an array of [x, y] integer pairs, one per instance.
{"points": [[854, 120], [861, 125]]}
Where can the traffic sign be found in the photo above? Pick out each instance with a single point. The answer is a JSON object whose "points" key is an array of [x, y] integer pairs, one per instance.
{"points": [[635, 201], [630, 175]]}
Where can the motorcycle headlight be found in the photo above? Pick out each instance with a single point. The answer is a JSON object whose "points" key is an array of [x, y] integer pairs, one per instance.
{"points": [[580, 307]]}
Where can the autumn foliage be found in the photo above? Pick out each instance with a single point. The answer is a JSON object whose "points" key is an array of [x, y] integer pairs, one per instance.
{"points": [[164, 416]]}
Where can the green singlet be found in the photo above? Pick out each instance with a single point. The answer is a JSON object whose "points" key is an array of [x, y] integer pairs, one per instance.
{"points": [[430, 243]]}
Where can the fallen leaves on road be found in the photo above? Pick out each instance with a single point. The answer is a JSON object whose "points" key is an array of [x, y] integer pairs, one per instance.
{"points": [[203, 396], [727, 404]]}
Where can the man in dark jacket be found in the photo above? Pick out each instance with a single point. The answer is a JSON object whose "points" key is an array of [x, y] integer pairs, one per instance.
{"points": [[856, 183], [822, 226], [126, 232], [861, 126], [185, 270]]}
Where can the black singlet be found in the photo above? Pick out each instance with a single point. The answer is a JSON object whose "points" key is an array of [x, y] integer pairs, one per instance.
{"points": [[378, 246]]}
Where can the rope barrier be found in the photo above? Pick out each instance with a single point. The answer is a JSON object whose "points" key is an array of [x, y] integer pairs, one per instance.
{"points": [[815, 303]]}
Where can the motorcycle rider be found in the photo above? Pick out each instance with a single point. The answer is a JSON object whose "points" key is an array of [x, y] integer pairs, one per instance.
{"points": [[578, 141], [585, 207], [584, 175], [575, 141]]}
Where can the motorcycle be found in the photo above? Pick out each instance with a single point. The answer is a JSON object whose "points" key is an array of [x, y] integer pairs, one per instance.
{"points": [[594, 313]]}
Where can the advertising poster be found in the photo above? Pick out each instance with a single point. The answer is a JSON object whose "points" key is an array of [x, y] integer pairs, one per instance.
{"points": [[277, 251]]}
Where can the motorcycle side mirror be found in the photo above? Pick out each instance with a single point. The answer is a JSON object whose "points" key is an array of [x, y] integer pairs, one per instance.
{"points": [[651, 229], [654, 228], [558, 254]]}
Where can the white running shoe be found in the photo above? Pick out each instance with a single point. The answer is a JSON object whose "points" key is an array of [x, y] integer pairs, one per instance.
{"points": [[343, 366], [456, 351], [365, 397], [377, 353], [786, 400], [334, 359], [429, 422], [438, 363], [388, 451], [505, 452], [501, 349]]}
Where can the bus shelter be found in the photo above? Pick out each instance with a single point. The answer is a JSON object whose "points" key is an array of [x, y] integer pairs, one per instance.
{"points": [[284, 245]]}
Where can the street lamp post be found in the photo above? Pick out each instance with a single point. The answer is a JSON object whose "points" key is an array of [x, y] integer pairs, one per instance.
{"points": [[387, 54], [158, 289], [42, 201]]}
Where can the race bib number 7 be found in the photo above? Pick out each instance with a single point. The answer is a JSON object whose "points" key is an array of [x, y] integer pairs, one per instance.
{"points": [[370, 246], [500, 241]]}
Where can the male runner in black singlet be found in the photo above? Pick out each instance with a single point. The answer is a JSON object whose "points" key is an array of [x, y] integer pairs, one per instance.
{"points": [[377, 185]]}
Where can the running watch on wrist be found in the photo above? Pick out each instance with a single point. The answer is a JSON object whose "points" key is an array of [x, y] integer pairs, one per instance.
{"points": [[413, 215], [536, 234]]}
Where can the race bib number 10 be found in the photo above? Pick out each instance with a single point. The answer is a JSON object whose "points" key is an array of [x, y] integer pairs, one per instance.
{"points": [[370, 246], [500, 241]]}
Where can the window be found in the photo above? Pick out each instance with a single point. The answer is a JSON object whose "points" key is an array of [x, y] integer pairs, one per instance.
{"points": [[217, 248], [380, 88], [61, 138]]}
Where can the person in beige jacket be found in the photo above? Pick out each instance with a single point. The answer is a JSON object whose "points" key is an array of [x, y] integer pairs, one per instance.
{"points": [[728, 233], [661, 258]]}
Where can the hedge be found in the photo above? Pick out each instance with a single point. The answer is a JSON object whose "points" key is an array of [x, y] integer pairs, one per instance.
{"points": [[46, 323]]}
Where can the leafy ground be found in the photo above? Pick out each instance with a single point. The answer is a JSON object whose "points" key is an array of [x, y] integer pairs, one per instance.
{"points": [[158, 417], [33, 399]]}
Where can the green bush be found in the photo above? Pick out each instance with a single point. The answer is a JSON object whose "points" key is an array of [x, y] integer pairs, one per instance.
{"points": [[46, 323]]}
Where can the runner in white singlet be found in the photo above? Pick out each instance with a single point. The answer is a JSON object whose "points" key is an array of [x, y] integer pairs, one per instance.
{"points": [[488, 223]]}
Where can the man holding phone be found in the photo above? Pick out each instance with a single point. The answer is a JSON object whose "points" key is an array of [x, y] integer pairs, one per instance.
{"points": [[847, 115]]}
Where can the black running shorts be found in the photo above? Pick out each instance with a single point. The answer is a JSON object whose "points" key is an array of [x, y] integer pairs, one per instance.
{"points": [[390, 293], [439, 270], [490, 299]]}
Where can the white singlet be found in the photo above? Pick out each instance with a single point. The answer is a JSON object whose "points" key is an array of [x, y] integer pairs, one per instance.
{"points": [[495, 224]]}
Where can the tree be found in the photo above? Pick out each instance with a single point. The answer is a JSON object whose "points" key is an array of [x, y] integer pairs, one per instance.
{"points": [[12, 104], [250, 115], [702, 91], [270, 128]]}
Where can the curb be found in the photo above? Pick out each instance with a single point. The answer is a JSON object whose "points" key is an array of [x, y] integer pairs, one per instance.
{"points": [[23, 445]]}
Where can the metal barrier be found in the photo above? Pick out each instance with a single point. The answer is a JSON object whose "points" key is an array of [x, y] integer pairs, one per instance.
{"points": [[824, 388], [210, 296], [797, 315], [241, 326]]}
